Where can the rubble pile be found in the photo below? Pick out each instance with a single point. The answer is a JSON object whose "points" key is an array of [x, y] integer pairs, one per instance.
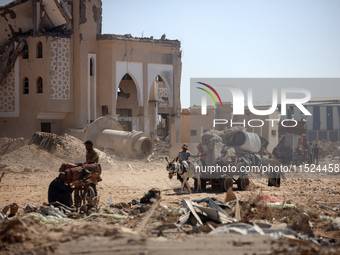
{"points": [[61, 146], [160, 150], [328, 149], [42, 230]]}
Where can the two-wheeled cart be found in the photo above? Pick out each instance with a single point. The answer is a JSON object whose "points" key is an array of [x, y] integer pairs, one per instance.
{"points": [[83, 179], [84, 194], [224, 181]]}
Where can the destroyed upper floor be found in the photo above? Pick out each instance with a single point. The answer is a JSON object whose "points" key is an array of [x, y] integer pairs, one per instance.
{"points": [[34, 17], [21, 19]]}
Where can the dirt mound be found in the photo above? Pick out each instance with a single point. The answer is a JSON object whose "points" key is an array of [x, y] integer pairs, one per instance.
{"points": [[21, 155], [44, 152], [7, 145], [161, 150], [64, 146], [20, 236], [29, 158]]}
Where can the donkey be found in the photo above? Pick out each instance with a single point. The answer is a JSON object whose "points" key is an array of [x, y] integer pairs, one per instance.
{"points": [[176, 167]]}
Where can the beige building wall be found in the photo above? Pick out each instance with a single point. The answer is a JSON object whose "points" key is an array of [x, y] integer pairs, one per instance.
{"points": [[81, 71], [35, 107], [143, 61], [85, 31], [192, 126], [198, 124]]}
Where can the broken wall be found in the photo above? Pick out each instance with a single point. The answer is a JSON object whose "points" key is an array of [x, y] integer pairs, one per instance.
{"points": [[143, 59]]}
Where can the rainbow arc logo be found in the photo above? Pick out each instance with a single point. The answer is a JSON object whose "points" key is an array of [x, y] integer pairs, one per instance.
{"points": [[209, 93]]}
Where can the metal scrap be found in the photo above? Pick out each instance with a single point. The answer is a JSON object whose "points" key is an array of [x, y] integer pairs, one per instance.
{"points": [[213, 211], [326, 205]]}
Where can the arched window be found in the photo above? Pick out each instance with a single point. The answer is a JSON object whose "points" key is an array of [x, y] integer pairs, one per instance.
{"points": [[127, 77], [26, 86], [39, 85], [25, 52], [91, 67], [39, 50]]}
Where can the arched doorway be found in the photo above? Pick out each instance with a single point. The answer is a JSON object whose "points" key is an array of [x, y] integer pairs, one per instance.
{"points": [[127, 108], [160, 101]]}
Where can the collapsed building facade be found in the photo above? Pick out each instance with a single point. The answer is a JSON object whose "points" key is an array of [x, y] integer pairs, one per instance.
{"points": [[58, 71]]}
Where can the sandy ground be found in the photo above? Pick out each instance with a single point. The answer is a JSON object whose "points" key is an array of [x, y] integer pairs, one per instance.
{"points": [[125, 180]]}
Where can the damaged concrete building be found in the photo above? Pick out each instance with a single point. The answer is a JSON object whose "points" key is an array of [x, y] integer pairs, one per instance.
{"points": [[58, 71]]}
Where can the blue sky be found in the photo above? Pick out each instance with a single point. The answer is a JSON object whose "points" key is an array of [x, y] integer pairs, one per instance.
{"points": [[239, 38]]}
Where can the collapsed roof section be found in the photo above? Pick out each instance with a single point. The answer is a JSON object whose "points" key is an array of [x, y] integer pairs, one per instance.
{"points": [[22, 17], [57, 11]]}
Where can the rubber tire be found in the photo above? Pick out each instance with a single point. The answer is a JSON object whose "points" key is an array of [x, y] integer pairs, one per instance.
{"points": [[242, 183], [226, 183], [77, 198], [89, 195]]}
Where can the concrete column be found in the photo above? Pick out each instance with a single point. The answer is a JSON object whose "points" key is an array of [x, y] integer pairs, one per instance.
{"points": [[178, 129], [146, 120], [114, 87]]}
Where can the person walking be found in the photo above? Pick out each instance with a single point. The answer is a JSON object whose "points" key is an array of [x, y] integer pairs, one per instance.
{"points": [[315, 152]]}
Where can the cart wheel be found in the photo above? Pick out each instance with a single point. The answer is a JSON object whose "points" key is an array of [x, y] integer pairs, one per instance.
{"points": [[77, 198], [226, 183], [242, 183], [89, 195], [203, 184]]}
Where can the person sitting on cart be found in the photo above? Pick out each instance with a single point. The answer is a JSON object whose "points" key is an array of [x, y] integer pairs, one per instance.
{"points": [[92, 156], [59, 191]]}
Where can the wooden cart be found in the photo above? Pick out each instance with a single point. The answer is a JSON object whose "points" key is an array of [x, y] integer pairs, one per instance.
{"points": [[225, 181]]}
